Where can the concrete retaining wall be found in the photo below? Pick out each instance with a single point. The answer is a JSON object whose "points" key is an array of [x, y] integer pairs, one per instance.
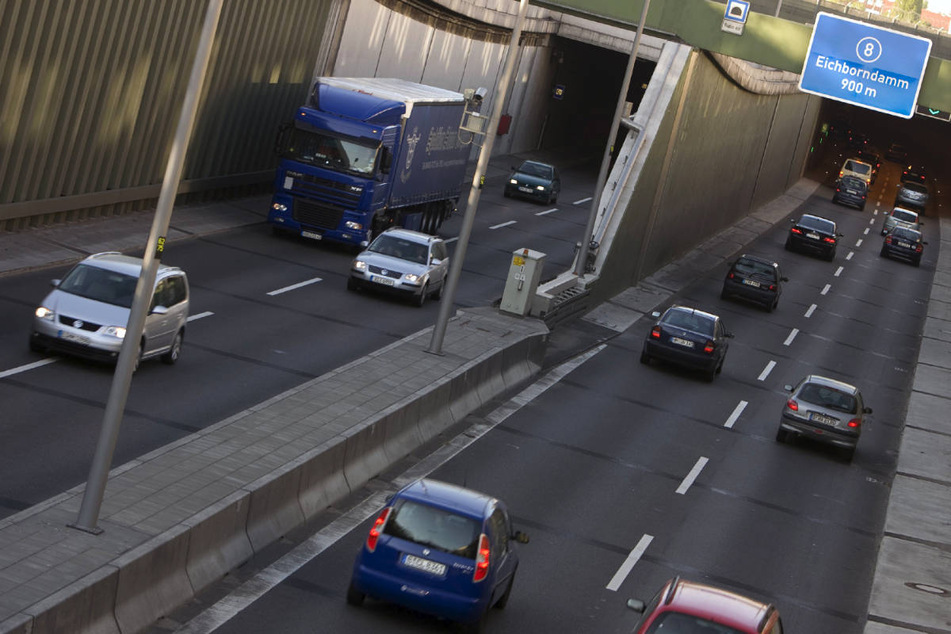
{"points": [[151, 580]]}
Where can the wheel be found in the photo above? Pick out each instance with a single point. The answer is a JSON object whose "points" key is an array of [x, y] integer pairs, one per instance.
{"points": [[723, 294], [645, 358], [138, 358], [917, 262], [423, 295], [862, 208], [36, 346], [782, 435], [769, 306], [438, 294], [788, 245], [831, 255], [473, 627], [352, 284], [507, 193], [504, 599], [354, 596], [883, 253], [847, 453], [711, 375], [170, 357]]}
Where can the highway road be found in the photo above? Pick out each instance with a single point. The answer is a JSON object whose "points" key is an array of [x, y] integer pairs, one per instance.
{"points": [[625, 475], [267, 314]]}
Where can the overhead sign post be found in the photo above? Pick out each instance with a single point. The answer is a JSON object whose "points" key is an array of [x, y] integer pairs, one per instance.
{"points": [[865, 65]]}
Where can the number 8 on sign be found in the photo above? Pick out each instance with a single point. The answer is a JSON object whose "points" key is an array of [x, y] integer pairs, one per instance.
{"points": [[868, 49]]}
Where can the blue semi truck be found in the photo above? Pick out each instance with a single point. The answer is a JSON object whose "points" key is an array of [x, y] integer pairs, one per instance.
{"points": [[366, 154]]}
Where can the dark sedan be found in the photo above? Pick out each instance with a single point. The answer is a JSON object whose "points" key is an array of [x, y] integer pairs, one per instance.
{"points": [[903, 243], [688, 337], [534, 180], [813, 233], [755, 279], [851, 190]]}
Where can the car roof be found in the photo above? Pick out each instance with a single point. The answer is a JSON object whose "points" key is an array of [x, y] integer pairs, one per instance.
{"points": [[833, 383], [695, 311], [409, 234], [910, 211], [538, 163], [820, 219], [126, 264], [912, 234], [449, 497], [856, 180], [719, 605], [756, 258], [919, 187]]}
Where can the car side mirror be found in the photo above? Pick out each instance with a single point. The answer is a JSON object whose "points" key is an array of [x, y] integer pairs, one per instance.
{"points": [[728, 335], [655, 314], [520, 537], [923, 242], [55, 283], [784, 279], [867, 410], [637, 605], [159, 310], [840, 235], [788, 388], [436, 261]]}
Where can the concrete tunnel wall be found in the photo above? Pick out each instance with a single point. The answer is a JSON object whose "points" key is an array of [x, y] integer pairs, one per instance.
{"points": [[719, 153]]}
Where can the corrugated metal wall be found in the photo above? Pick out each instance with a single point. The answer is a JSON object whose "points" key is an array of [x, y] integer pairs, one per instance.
{"points": [[91, 90]]}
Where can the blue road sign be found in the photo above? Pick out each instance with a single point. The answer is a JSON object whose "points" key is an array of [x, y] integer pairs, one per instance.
{"points": [[865, 65]]}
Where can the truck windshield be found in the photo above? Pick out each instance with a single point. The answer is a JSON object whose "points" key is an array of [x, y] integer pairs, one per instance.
{"points": [[328, 151]]}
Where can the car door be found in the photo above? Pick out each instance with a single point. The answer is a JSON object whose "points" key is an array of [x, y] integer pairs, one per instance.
{"points": [[159, 327], [441, 270], [500, 538]]}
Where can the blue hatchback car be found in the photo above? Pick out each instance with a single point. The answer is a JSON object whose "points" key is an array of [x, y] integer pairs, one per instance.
{"points": [[439, 549]]}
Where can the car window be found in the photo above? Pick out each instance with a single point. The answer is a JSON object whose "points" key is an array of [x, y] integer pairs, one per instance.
{"points": [[177, 290], [500, 531], [439, 250], [906, 234], [680, 623], [400, 248], [690, 321], [819, 224], [534, 169], [434, 527], [855, 166], [99, 284], [915, 187], [906, 216], [159, 296], [828, 397], [752, 267]]}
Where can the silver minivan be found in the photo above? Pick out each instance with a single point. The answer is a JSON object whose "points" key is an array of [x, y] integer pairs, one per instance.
{"points": [[87, 312]]}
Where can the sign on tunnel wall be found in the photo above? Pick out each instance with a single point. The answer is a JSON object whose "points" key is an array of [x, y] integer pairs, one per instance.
{"points": [[865, 65]]}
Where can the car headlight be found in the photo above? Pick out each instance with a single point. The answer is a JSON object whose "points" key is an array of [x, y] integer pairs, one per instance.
{"points": [[114, 331], [44, 313], [359, 265], [279, 207], [356, 226], [513, 181], [411, 278], [540, 188]]}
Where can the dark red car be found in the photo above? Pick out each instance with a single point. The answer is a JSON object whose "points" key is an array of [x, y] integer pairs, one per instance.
{"points": [[693, 608]]}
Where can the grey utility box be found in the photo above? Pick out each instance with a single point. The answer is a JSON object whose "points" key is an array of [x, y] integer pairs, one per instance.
{"points": [[522, 280]]}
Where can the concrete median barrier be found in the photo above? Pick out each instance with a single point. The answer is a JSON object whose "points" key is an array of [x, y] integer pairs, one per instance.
{"points": [[218, 540], [274, 507], [85, 606], [322, 480]]}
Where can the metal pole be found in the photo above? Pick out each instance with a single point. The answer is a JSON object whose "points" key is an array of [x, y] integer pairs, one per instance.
{"points": [[119, 392], [455, 268], [779, 6], [582, 260]]}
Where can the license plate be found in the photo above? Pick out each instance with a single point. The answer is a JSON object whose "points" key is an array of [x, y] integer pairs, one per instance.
{"points": [[904, 244], [525, 189], [814, 236], [68, 336], [753, 283], [432, 567], [821, 418], [380, 279], [312, 235], [682, 342], [851, 191]]}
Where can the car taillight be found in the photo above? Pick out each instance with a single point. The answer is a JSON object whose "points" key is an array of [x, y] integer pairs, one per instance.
{"points": [[772, 287], [855, 422], [374, 535], [793, 405], [655, 332], [917, 248], [796, 230], [829, 240], [888, 239], [482, 559], [708, 347], [730, 275]]}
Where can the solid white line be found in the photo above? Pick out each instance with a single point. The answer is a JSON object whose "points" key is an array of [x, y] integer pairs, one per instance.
{"points": [[735, 415], [28, 366], [810, 310], [765, 373], [791, 337], [849, 256], [504, 224], [263, 582], [295, 286], [545, 213], [448, 240], [825, 289], [692, 476], [583, 200], [839, 270], [866, 231], [628, 564], [858, 242], [207, 313]]}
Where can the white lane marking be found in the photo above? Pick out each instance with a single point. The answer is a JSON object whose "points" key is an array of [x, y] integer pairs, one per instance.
{"points": [[791, 337], [582, 201], [849, 256], [858, 242], [546, 212], [28, 366], [810, 310], [207, 313], [628, 564], [825, 289], [293, 287], [839, 270], [448, 240], [263, 582], [504, 224], [866, 231], [765, 373], [692, 476], [735, 415]]}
